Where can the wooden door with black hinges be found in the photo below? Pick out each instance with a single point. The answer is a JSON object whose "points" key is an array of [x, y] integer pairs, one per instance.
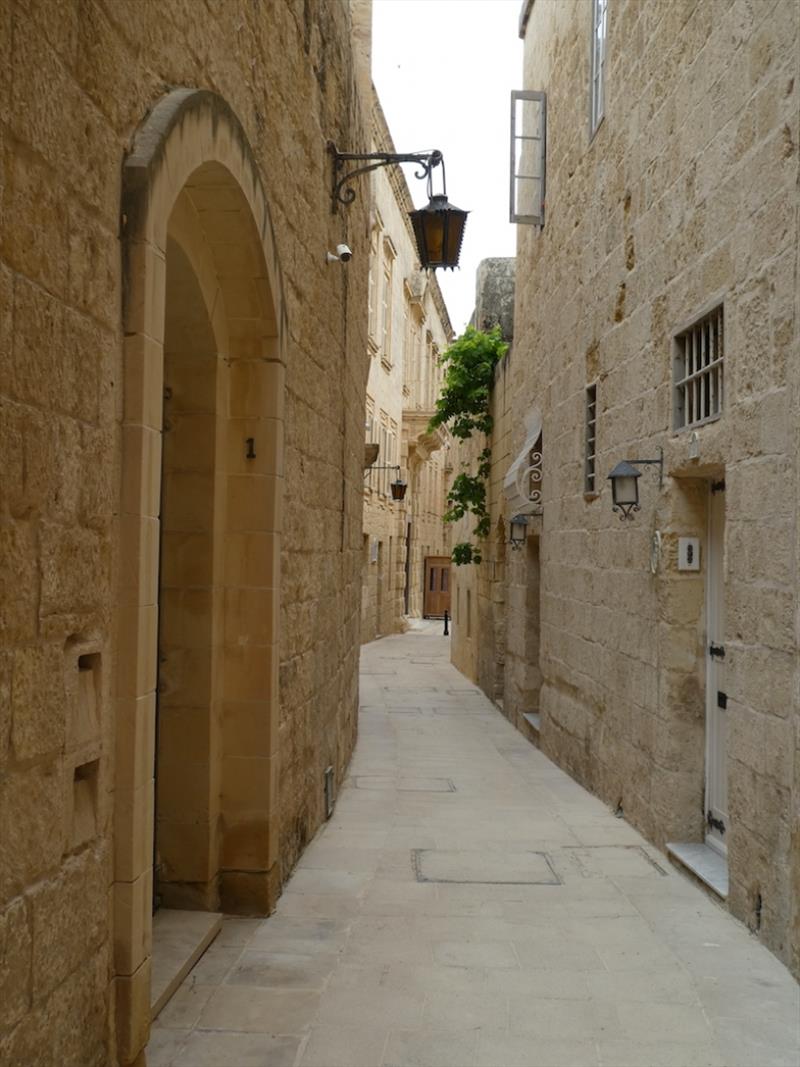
{"points": [[716, 792]]}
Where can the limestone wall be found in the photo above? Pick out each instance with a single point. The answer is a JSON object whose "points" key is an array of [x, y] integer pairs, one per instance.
{"points": [[685, 196], [77, 80], [486, 628], [408, 329], [392, 260]]}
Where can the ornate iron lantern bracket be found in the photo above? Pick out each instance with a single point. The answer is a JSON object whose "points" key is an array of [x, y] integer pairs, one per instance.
{"points": [[342, 192]]}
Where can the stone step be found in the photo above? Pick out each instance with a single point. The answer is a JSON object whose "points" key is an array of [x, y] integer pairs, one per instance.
{"points": [[179, 940]]}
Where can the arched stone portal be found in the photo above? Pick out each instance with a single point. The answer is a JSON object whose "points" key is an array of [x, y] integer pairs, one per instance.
{"points": [[204, 327]]}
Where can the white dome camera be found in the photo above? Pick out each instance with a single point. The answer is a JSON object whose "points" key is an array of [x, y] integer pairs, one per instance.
{"points": [[343, 255]]}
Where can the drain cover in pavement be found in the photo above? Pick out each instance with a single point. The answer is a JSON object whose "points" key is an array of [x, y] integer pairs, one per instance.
{"points": [[405, 785], [483, 868]]}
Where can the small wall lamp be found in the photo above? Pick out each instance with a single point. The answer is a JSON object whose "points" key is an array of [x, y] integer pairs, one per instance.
{"points": [[625, 483], [398, 486], [518, 531], [438, 227]]}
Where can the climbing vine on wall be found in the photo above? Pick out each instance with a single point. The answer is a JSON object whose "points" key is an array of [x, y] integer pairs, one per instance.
{"points": [[464, 407]]}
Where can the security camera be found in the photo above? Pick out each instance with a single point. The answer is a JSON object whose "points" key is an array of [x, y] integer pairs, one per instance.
{"points": [[343, 255]]}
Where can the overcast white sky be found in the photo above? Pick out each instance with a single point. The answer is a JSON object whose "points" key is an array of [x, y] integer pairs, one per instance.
{"points": [[444, 70]]}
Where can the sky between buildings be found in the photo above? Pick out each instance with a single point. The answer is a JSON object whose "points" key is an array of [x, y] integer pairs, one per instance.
{"points": [[444, 71]]}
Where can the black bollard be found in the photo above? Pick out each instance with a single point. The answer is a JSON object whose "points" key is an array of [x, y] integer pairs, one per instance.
{"points": [[446, 621]]}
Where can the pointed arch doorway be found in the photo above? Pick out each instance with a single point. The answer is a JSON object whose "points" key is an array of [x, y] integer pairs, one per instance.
{"points": [[201, 498]]}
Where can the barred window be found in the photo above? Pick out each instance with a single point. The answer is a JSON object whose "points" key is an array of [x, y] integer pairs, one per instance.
{"points": [[590, 465], [698, 371]]}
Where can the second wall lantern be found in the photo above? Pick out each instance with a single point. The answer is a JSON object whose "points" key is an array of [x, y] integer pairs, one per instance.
{"points": [[518, 531], [624, 480]]}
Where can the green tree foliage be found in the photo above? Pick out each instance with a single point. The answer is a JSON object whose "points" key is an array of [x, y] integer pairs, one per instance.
{"points": [[464, 407]]}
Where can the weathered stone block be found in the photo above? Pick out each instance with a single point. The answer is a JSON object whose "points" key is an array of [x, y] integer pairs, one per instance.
{"points": [[69, 919], [5, 710], [15, 963], [94, 267], [97, 490], [31, 826], [38, 704], [76, 1017], [37, 244], [35, 370], [19, 581], [74, 566]]}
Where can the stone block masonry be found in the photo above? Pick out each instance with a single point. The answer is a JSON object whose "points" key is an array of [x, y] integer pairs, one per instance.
{"points": [[682, 199], [195, 314]]}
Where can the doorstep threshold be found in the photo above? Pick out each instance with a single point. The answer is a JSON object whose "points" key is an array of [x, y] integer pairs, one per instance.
{"points": [[179, 940], [710, 866]]}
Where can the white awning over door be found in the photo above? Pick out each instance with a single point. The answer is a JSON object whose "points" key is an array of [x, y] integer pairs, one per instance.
{"points": [[522, 484]]}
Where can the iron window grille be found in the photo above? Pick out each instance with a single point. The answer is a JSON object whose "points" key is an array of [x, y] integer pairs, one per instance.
{"points": [[698, 378], [590, 465]]}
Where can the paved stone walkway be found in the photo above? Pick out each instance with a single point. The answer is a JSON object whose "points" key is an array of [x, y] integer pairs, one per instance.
{"points": [[469, 904]]}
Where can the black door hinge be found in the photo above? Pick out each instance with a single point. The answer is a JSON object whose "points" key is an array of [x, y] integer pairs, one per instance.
{"points": [[718, 487], [722, 699], [715, 824], [717, 650]]}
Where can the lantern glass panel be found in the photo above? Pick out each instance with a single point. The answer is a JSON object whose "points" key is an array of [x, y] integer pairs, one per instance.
{"points": [[625, 489], [519, 530], [434, 223]]}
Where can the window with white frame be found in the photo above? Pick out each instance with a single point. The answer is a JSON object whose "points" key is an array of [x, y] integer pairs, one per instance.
{"points": [[599, 39], [395, 461], [411, 357], [590, 451], [386, 303], [369, 437], [528, 156], [383, 455], [374, 287], [698, 386]]}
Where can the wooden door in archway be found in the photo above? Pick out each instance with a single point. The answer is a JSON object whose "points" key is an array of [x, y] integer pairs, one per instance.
{"points": [[437, 587]]}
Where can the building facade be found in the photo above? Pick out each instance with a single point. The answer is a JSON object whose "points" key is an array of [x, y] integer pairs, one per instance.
{"points": [[408, 330], [656, 658], [182, 386]]}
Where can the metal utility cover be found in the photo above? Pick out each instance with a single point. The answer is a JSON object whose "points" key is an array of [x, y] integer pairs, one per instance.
{"points": [[483, 868], [405, 785]]}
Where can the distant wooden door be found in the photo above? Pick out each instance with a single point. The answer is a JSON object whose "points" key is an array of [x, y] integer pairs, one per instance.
{"points": [[437, 587]]}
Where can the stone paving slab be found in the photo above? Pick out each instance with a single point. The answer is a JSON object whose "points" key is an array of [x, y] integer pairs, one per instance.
{"points": [[619, 962]]}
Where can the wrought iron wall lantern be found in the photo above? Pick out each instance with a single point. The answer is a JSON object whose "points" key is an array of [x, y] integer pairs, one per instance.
{"points": [[438, 227], [625, 483], [518, 531], [398, 487]]}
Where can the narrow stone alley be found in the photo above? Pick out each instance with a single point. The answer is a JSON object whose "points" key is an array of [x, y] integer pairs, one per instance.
{"points": [[469, 904]]}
